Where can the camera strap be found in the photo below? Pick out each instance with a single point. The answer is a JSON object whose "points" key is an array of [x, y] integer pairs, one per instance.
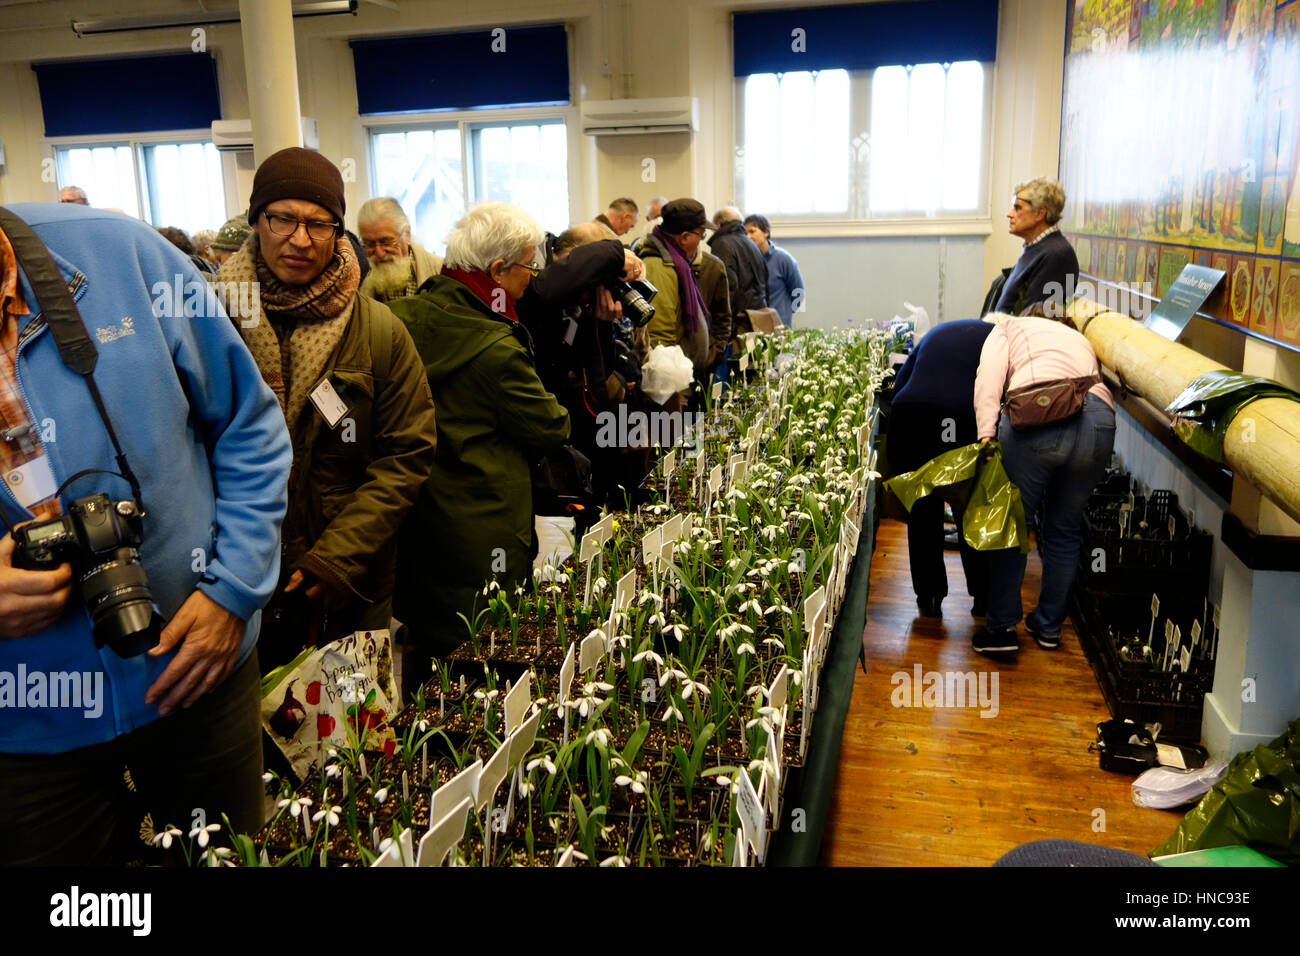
{"points": [[55, 304]]}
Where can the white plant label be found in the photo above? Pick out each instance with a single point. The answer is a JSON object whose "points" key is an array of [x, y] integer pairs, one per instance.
{"points": [[811, 605], [517, 700], [494, 771], [593, 649], [750, 809], [625, 592], [444, 835], [460, 787], [521, 741], [566, 673]]}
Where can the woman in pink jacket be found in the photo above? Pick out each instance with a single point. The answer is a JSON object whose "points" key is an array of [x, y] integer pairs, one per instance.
{"points": [[1055, 466]]}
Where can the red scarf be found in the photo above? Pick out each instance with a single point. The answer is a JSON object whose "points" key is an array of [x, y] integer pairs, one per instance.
{"points": [[486, 289]]}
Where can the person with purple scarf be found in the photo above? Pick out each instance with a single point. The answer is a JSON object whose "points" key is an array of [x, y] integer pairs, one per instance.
{"points": [[681, 313]]}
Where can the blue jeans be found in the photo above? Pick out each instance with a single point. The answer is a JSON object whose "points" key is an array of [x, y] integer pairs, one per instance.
{"points": [[720, 373], [1055, 467]]}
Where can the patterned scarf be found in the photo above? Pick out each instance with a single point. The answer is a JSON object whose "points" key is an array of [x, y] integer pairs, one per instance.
{"points": [[319, 310]]}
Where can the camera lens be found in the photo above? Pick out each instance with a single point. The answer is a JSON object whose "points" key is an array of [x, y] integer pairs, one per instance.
{"points": [[635, 306], [122, 610]]}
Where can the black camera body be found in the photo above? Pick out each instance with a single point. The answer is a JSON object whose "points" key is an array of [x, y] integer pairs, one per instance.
{"points": [[635, 297], [99, 537]]}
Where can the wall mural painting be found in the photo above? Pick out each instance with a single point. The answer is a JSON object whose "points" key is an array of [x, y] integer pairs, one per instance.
{"points": [[1180, 142]]}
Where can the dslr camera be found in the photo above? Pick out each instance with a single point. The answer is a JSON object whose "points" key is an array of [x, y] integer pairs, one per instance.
{"points": [[635, 298], [99, 537]]}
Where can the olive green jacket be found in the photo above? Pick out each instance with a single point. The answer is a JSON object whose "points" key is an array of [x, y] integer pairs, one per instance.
{"points": [[668, 325], [352, 484], [473, 520]]}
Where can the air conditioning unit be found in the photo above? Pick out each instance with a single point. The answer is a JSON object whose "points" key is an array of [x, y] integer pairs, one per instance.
{"points": [[671, 114], [236, 134]]}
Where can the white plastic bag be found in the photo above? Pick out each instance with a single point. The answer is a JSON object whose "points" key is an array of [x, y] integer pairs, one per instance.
{"points": [[920, 319], [1162, 788], [666, 371]]}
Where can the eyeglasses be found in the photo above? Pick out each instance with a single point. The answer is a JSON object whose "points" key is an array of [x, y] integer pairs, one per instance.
{"points": [[317, 229], [534, 269], [393, 244]]}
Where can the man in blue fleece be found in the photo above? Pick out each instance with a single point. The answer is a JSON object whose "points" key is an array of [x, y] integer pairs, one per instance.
{"points": [[206, 439], [1048, 270]]}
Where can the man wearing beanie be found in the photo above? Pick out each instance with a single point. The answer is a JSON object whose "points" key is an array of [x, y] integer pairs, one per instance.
{"points": [[353, 392]]}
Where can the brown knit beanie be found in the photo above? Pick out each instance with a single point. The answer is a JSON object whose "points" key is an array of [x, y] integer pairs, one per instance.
{"points": [[297, 173]]}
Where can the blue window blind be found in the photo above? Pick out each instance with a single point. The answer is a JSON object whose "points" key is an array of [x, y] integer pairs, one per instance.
{"points": [[128, 94], [462, 70], [865, 36]]}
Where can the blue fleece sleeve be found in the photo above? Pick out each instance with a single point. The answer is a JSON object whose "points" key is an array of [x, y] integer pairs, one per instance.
{"points": [[248, 447]]}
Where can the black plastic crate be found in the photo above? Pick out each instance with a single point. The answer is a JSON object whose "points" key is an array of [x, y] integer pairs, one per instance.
{"points": [[1136, 689], [1168, 553]]}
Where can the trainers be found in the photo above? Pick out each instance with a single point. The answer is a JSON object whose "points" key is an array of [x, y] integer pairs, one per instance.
{"points": [[930, 606], [995, 640], [1048, 642]]}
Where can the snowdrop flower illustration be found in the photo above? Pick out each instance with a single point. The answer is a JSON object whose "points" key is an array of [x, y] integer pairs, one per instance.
{"points": [[204, 834], [166, 837], [330, 816]]}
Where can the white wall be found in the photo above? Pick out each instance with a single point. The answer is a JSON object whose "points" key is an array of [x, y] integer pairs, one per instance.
{"points": [[618, 48]]}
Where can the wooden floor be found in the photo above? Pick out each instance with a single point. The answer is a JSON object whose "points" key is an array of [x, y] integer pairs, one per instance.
{"points": [[924, 786]]}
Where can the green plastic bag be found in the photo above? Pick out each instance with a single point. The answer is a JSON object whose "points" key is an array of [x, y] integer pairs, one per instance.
{"points": [[994, 516], [1256, 805], [1204, 409]]}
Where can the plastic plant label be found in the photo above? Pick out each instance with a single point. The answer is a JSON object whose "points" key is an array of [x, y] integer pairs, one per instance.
{"points": [[517, 700], [715, 479], [590, 547], [1185, 659], [460, 787], [1196, 633], [670, 464], [740, 848], [566, 673], [605, 528], [738, 471], [776, 693], [716, 392], [651, 544], [625, 591], [593, 649], [406, 846], [444, 835], [812, 603], [566, 857], [494, 771], [1155, 605], [521, 741], [672, 528], [750, 809], [744, 362]]}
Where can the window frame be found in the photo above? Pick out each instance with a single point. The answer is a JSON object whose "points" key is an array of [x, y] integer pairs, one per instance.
{"points": [[814, 225], [467, 121], [50, 145]]}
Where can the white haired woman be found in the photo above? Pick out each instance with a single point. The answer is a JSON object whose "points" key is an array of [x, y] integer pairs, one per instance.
{"points": [[473, 520], [1048, 270]]}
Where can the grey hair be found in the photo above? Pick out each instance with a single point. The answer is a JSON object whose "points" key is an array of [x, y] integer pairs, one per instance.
{"points": [[1046, 194], [624, 204], [490, 231], [383, 208], [726, 214]]}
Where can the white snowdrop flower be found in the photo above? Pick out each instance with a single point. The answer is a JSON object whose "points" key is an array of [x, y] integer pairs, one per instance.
{"points": [[723, 780], [282, 803], [648, 655], [647, 596], [622, 781], [746, 648], [676, 631], [422, 725], [614, 861], [266, 778], [754, 689], [751, 604], [544, 762], [596, 631], [793, 567], [670, 674], [658, 618], [755, 765], [330, 816], [332, 771], [299, 805], [774, 642], [601, 735], [671, 711], [381, 795], [599, 585], [204, 833], [166, 837], [733, 563], [797, 678]]}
